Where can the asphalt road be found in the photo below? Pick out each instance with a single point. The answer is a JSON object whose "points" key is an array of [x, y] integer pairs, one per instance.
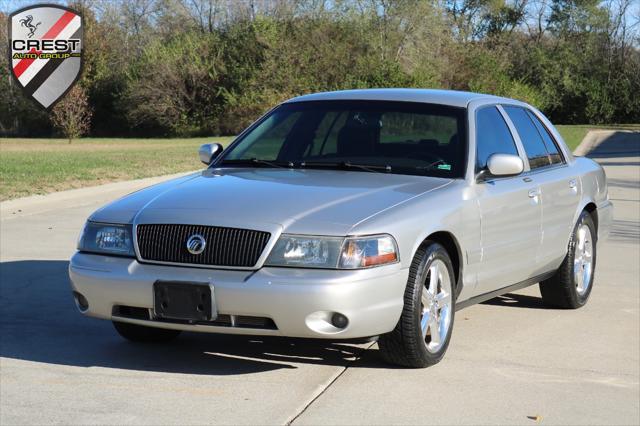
{"points": [[511, 361]]}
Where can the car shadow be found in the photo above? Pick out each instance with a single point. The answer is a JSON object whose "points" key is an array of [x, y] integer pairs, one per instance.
{"points": [[39, 322], [513, 300]]}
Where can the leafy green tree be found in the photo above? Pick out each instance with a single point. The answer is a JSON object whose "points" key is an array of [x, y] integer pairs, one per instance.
{"points": [[201, 67]]}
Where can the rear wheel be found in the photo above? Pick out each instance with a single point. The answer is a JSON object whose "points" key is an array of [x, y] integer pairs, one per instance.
{"points": [[571, 285], [422, 335], [140, 333]]}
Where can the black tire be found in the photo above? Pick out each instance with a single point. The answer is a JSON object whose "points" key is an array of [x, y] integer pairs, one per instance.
{"points": [[560, 291], [140, 333], [405, 345]]}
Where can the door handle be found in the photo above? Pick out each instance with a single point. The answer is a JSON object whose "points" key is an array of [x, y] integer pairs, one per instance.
{"points": [[533, 193], [573, 184]]}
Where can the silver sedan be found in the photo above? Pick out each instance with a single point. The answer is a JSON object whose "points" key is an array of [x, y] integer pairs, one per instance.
{"points": [[348, 215]]}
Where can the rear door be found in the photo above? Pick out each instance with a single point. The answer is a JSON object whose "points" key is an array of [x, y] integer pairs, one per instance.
{"points": [[558, 186], [510, 210]]}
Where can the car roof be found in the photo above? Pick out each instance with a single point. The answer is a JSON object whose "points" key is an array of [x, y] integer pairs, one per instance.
{"points": [[433, 96]]}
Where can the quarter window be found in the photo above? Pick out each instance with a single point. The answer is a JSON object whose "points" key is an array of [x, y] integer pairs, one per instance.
{"points": [[492, 136], [531, 140], [552, 148]]}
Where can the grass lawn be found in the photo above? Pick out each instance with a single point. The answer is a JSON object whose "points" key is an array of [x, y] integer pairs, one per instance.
{"points": [[40, 166]]}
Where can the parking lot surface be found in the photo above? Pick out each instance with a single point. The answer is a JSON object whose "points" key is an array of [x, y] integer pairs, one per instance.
{"points": [[511, 360]]}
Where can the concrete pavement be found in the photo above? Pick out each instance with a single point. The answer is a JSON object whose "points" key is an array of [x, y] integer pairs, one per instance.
{"points": [[511, 361]]}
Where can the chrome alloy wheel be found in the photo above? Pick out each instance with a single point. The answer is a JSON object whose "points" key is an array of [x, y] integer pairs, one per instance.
{"points": [[583, 259], [435, 318]]}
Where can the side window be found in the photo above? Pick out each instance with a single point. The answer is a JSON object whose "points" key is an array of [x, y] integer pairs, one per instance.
{"points": [[552, 148], [492, 136], [531, 139]]}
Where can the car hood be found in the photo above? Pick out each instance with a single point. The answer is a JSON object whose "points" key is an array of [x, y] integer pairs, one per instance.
{"points": [[329, 202]]}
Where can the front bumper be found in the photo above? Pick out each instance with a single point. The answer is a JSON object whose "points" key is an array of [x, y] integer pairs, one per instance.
{"points": [[299, 301]]}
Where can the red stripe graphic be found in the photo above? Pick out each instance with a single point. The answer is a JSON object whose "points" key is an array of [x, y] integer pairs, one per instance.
{"points": [[51, 34], [23, 64], [59, 26]]}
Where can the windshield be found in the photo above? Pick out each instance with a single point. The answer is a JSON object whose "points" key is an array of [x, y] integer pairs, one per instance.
{"points": [[367, 136]]}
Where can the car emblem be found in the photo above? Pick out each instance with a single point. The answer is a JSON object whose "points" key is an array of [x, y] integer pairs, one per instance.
{"points": [[196, 244], [46, 51]]}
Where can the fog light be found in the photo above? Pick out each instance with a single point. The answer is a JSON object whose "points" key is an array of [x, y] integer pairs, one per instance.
{"points": [[339, 320], [81, 301]]}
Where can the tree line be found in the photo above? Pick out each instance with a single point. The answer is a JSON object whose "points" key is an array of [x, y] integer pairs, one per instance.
{"points": [[211, 67]]}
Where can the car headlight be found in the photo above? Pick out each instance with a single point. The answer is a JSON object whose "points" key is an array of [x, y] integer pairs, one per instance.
{"points": [[307, 251], [364, 252], [107, 238]]}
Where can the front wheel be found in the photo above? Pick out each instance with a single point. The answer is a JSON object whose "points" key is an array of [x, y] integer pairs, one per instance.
{"points": [[422, 335], [140, 333], [571, 285]]}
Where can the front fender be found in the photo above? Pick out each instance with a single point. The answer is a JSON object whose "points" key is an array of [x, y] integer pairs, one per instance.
{"points": [[452, 210]]}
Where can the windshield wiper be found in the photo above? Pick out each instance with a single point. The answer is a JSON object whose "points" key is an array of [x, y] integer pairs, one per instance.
{"points": [[278, 164], [348, 165]]}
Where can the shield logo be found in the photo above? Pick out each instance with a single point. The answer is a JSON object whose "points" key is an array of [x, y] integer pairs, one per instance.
{"points": [[46, 51]]}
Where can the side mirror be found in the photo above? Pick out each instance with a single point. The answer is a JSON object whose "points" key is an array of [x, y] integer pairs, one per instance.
{"points": [[504, 165], [209, 151]]}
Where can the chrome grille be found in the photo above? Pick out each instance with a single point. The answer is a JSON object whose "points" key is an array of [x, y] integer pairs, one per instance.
{"points": [[224, 246]]}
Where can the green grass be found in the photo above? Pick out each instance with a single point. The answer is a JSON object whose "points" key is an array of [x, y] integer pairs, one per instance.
{"points": [[40, 166], [573, 134]]}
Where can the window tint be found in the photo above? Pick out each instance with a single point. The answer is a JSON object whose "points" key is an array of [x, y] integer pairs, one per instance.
{"points": [[270, 134], [408, 138], [403, 127], [492, 136], [326, 135], [531, 139], [552, 148]]}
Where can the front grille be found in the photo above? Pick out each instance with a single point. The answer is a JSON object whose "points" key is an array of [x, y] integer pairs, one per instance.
{"points": [[130, 312], [223, 320], [224, 246], [231, 321], [242, 321]]}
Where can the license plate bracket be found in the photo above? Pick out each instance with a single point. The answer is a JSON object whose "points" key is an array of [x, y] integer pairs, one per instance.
{"points": [[185, 301]]}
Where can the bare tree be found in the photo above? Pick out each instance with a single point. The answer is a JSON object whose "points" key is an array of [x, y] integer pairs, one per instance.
{"points": [[72, 114]]}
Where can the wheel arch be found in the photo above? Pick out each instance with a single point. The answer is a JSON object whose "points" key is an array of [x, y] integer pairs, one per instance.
{"points": [[592, 209], [452, 246]]}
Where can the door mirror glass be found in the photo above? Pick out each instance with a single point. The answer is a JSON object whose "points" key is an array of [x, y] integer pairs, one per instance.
{"points": [[209, 151], [505, 165]]}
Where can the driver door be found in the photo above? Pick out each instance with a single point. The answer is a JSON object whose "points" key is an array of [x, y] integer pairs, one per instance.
{"points": [[510, 210]]}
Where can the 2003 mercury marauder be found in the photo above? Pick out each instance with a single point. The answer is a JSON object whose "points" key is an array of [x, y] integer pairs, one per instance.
{"points": [[352, 214]]}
